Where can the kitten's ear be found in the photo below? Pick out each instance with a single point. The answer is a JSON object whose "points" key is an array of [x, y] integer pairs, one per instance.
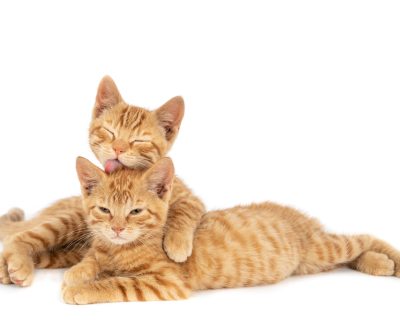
{"points": [[107, 96], [160, 177], [170, 116], [89, 175]]}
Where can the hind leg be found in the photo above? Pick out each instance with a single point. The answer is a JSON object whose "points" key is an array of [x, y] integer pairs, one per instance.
{"points": [[363, 252], [14, 215], [58, 226], [373, 263]]}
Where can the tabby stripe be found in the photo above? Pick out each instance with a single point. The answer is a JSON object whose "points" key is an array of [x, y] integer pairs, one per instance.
{"points": [[123, 290], [154, 290], [27, 243], [72, 229], [225, 224], [138, 291], [36, 259], [139, 268], [349, 247], [146, 156], [67, 228], [328, 246], [53, 230], [167, 283], [44, 242], [338, 249], [274, 243], [238, 266], [319, 251], [61, 259], [102, 250], [157, 148], [251, 269], [187, 286], [95, 129], [51, 260], [360, 243], [75, 227], [170, 295], [82, 220], [267, 235], [154, 214], [272, 264], [256, 244], [218, 271]]}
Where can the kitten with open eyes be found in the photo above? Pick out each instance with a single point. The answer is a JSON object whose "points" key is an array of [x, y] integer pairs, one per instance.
{"points": [[242, 246], [120, 134]]}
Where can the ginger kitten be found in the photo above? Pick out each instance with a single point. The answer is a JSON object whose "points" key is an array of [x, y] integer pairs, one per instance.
{"points": [[242, 246], [120, 134]]}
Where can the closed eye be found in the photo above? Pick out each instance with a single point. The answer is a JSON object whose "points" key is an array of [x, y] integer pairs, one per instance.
{"points": [[139, 141], [109, 131]]}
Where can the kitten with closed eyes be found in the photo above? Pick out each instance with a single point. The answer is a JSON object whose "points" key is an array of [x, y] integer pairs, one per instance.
{"points": [[119, 135]]}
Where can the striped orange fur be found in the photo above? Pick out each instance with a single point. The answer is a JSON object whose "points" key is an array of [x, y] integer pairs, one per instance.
{"points": [[137, 137], [242, 246]]}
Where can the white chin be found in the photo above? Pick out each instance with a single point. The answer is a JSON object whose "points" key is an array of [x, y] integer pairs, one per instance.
{"points": [[118, 241]]}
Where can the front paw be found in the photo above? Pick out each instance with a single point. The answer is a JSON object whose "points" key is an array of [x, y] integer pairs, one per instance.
{"points": [[79, 274], [20, 270], [178, 245], [4, 277], [75, 295]]}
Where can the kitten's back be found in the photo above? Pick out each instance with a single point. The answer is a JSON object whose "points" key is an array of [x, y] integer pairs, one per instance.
{"points": [[247, 245]]}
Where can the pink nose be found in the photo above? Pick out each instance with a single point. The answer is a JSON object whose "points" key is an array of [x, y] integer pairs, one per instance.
{"points": [[118, 151], [120, 146], [118, 230]]}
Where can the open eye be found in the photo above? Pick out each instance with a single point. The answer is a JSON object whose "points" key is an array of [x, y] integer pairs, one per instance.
{"points": [[136, 211], [104, 210]]}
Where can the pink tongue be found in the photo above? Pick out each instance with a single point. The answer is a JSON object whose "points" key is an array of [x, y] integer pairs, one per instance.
{"points": [[112, 165]]}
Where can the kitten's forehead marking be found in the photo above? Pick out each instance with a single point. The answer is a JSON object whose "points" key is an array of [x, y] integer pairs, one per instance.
{"points": [[131, 117], [122, 185]]}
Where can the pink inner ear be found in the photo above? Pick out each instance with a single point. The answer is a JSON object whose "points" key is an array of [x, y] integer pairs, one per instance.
{"points": [[112, 165]]}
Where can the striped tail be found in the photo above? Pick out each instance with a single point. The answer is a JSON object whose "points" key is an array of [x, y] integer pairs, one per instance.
{"points": [[327, 251], [12, 222]]}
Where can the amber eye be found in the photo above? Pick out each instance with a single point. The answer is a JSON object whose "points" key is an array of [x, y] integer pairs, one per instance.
{"points": [[136, 211], [104, 210]]}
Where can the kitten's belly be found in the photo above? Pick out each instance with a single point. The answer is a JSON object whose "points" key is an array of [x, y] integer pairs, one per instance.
{"points": [[242, 246]]}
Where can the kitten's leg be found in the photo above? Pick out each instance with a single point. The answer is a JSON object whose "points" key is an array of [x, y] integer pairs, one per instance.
{"points": [[4, 277], [373, 263], [183, 218], [56, 230], [327, 251], [85, 271], [57, 259], [13, 215], [118, 289], [11, 222], [53, 259]]}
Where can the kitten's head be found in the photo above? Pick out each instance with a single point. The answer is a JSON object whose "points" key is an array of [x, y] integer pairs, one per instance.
{"points": [[132, 136], [126, 206]]}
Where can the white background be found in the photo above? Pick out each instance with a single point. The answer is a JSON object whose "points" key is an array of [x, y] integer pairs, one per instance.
{"points": [[292, 101]]}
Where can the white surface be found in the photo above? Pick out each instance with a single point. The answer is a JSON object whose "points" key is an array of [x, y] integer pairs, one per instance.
{"points": [[290, 101]]}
